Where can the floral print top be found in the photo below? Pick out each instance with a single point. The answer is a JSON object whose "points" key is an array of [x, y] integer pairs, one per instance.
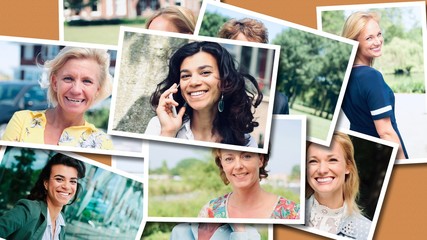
{"points": [[217, 208], [28, 126]]}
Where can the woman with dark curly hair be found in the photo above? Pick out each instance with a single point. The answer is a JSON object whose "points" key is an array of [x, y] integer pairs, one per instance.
{"points": [[204, 97], [40, 215], [244, 171]]}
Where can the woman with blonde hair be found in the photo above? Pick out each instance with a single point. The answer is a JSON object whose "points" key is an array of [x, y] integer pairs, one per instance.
{"points": [[76, 79], [332, 189], [172, 19], [369, 102]]}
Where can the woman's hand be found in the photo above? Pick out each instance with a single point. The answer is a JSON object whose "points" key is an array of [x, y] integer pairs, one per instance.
{"points": [[169, 123]]}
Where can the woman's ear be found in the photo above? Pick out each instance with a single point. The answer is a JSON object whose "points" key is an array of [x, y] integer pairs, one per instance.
{"points": [[53, 82], [45, 185]]}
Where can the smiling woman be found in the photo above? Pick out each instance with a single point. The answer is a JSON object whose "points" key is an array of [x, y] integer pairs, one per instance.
{"points": [[39, 216], [76, 79], [332, 189], [244, 171], [369, 102], [205, 98]]}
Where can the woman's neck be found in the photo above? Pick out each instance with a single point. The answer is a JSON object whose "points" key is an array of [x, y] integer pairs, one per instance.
{"points": [[360, 60], [332, 201], [58, 119], [54, 211], [202, 125]]}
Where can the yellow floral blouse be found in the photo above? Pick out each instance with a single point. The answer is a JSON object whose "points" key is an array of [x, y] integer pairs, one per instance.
{"points": [[29, 126]]}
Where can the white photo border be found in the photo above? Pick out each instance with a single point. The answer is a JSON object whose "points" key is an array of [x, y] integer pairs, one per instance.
{"points": [[301, 219], [267, 133]]}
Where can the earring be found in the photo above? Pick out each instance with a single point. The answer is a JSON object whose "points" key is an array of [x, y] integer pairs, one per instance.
{"points": [[221, 104]]}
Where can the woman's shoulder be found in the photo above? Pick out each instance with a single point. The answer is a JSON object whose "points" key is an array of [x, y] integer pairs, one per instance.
{"points": [[286, 208], [356, 226], [33, 207], [215, 208], [367, 71]]}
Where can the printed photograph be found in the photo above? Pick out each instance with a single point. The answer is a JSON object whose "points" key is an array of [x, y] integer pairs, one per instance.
{"points": [[57, 96], [99, 21], [217, 185], [385, 96], [346, 185], [68, 196], [313, 68], [193, 90]]}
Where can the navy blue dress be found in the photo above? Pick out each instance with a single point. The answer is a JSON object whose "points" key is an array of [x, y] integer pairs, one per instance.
{"points": [[369, 98]]}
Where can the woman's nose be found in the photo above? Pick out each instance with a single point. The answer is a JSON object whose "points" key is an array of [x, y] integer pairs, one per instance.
{"points": [[195, 80], [238, 163], [76, 87], [323, 168]]}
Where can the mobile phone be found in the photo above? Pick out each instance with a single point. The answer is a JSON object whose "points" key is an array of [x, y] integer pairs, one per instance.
{"points": [[173, 107]]}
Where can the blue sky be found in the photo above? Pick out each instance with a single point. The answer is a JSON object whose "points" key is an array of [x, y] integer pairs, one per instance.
{"points": [[285, 144]]}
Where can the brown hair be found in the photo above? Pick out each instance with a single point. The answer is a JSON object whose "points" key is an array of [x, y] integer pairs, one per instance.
{"points": [[254, 30]]}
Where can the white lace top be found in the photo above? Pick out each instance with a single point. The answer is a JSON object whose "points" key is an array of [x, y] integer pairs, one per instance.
{"points": [[324, 218]]}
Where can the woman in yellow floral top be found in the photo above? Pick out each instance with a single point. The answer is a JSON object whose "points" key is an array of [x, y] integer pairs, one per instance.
{"points": [[76, 79]]}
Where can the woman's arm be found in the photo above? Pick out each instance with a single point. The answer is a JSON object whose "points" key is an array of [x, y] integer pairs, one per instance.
{"points": [[386, 131]]}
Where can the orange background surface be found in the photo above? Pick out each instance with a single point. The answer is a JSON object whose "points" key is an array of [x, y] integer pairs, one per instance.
{"points": [[404, 209]]}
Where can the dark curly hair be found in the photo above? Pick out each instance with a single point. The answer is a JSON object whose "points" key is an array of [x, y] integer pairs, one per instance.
{"points": [[262, 172], [240, 91], [39, 192]]}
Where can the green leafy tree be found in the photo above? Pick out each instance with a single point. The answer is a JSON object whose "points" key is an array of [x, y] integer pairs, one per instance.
{"points": [[212, 22], [332, 22]]}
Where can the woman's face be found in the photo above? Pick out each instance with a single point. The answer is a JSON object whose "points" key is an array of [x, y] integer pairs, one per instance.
{"points": [[370, 40], [326, 169], [199, 81], [161, 23], [241, 168], [61, 185], [76, 85]]}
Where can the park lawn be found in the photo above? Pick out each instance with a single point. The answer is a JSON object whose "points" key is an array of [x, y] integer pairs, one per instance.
{"points": [[158, 236], [317, 127], [104, 34]]}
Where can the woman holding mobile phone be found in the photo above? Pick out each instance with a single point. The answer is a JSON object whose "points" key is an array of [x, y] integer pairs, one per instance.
{"points": [[213, 100]]}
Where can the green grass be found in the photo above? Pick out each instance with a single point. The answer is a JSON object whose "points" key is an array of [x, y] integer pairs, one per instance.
{"points": [[158, 236], [413, 83], [317, 127], [104, 34]]}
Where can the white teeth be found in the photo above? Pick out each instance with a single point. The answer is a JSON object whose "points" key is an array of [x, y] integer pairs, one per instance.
{"points": [[324, 180], [240, 174], [197, 93], [75, 100], [64, 194]]}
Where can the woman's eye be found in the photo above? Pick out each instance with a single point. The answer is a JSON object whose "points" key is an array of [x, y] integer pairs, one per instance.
{"points": [[74, 182], [59, 179], [185, 76], [87, 82], [206, 73], [311, 161], [228, 159], [333, 160], [247, 156], [379, 34], [68, 79]]}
